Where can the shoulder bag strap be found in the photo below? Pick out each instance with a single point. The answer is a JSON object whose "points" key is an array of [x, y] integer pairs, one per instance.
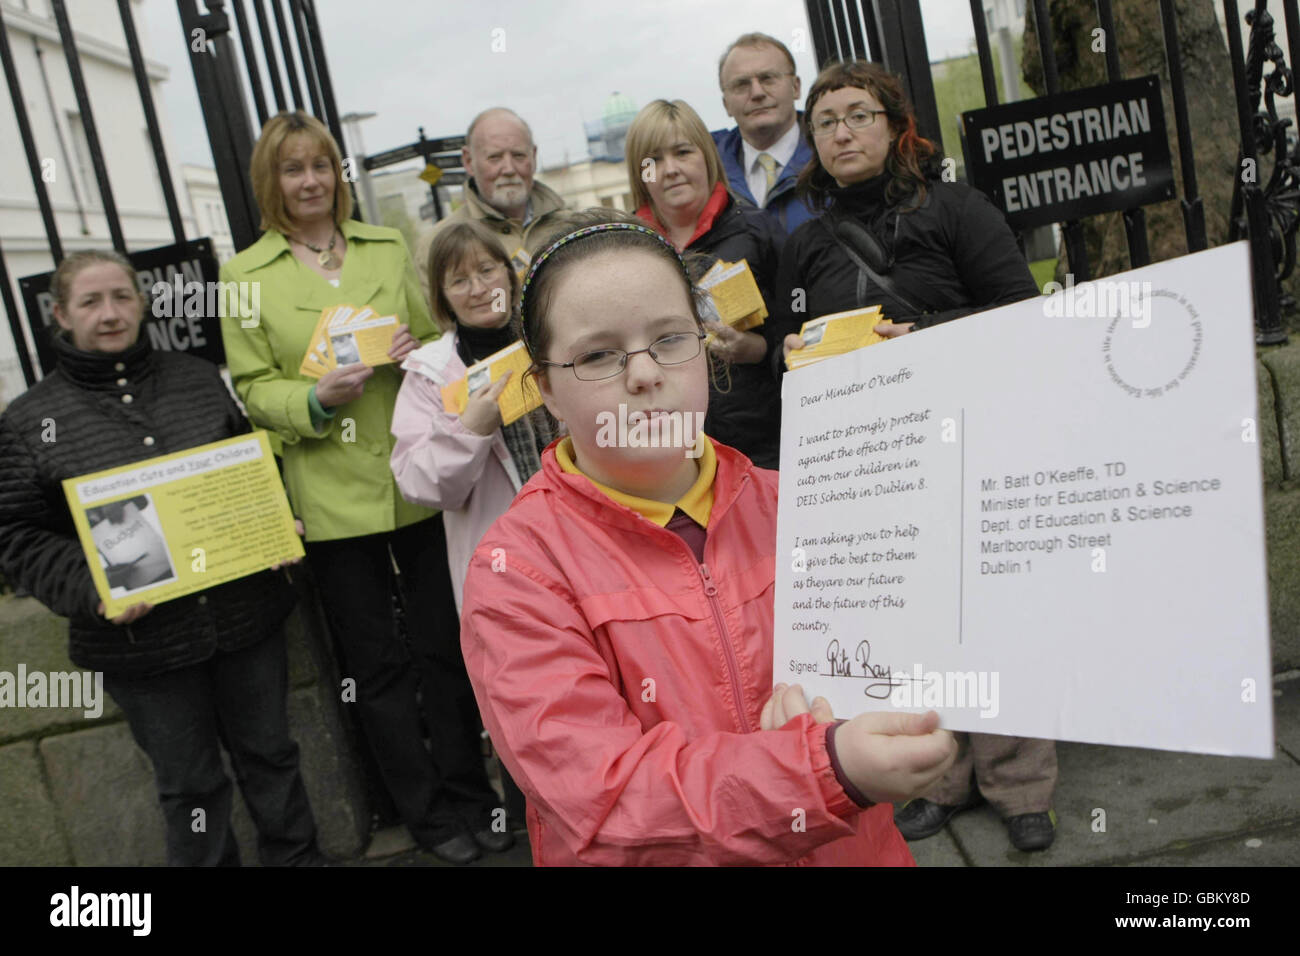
{"points": [[883, 281]]}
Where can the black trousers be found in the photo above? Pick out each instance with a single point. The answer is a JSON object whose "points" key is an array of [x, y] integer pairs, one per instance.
{"points": [[443, 789], [177, 718]]}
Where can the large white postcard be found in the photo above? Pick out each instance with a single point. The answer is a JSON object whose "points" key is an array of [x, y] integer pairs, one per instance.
{"points": [[1044, 520]]}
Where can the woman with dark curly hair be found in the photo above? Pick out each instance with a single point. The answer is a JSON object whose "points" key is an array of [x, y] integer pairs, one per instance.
{"points": [[894, 233], [891, 231]]}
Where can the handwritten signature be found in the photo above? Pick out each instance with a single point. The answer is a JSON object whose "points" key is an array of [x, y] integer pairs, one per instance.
{"points": [[880, 678]]}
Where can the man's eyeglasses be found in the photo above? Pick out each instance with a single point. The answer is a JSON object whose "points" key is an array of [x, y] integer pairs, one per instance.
{"points": [[486, 273], [675, 349], [824, 126], [769, 79]]}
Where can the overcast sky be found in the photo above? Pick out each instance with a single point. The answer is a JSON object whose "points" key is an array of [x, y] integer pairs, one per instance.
{"points": [[417, 63]]}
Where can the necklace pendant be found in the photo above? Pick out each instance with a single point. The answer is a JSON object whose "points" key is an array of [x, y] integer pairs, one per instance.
{"points": [[326, 259]]}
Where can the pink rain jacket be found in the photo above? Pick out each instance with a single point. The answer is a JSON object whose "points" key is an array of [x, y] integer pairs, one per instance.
{"points": [[439, 463], [622, 683]]}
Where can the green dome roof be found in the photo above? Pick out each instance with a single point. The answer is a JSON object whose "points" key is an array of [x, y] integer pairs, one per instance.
{"points": [[618, 110]]}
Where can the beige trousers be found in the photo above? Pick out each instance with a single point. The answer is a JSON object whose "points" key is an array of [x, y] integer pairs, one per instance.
{"points": [[1015, 774]]}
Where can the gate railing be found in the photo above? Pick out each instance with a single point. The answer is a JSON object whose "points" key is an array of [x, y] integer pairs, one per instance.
{"points": [[34, 163], [294, 63], [891, 32], [208, 37]]}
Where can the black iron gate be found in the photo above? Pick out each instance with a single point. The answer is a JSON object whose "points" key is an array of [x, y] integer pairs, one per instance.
{"points": [[287, 34], [1266, 210], [296, 62]]}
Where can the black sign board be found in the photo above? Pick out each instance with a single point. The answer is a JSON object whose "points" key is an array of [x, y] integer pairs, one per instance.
{"points": [[454, 178], [183, 315], [1077, 154], [426, 148]]}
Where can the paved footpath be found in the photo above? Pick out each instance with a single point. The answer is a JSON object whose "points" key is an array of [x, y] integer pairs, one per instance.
{"points": [[1158, 809]]}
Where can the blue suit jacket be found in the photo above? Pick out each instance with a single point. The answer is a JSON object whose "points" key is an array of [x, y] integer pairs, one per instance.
{"points": [[786, 209]]}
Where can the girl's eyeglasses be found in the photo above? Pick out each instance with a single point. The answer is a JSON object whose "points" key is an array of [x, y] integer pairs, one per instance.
{"points": [[675, 349]]}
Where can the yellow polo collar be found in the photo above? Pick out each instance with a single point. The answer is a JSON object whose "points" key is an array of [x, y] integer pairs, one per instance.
{"points": [[697, 502]]}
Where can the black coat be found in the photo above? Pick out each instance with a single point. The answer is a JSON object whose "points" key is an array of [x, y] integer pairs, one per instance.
{"points": [[955, 255], [746, 414], [79, 420]]}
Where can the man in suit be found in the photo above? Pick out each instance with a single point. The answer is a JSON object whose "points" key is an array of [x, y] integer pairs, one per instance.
{"points": [[765, 152]]}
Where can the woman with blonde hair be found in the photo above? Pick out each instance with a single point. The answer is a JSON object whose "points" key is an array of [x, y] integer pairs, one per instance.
{"points": [[337, 442], [679, 188]]}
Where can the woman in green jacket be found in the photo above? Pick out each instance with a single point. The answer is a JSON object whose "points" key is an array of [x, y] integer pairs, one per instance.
{"points": [[337, 443]]}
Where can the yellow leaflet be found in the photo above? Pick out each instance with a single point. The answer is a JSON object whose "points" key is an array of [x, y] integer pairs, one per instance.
{"points": [[735, 294], [519, 261], [315, 361], [836, 334], [346, 335], [516, 401]]}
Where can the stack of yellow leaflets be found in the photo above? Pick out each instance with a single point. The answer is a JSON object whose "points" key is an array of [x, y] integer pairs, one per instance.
{"points": [[735, 294], [344, 336], [837, 334], [515, 402]]}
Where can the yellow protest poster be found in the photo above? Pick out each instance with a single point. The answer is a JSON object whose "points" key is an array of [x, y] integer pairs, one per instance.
{"points": [[516, 401], [180, 523], [836, 334]]}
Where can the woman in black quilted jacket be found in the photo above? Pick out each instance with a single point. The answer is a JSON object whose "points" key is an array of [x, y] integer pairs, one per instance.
{"points": [[192, 670]]}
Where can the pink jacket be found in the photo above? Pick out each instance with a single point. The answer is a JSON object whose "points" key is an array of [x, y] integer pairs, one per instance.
{"points": [[439, 463], [622, 682]]}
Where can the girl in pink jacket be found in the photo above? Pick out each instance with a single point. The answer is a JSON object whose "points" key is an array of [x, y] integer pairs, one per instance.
{"points": [[617, 620], [469, 465]]}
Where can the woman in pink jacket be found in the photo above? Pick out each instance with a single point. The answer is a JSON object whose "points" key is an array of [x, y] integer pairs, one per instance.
{"points": [[469, 465], [617, 621]]}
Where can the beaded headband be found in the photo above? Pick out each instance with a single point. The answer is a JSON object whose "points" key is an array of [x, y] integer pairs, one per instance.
{"points": [[587, 231]]}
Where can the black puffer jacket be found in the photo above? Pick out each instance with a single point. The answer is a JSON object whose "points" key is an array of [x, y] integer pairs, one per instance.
{"points": [[954, 255], [99, 411], [746, 415]]}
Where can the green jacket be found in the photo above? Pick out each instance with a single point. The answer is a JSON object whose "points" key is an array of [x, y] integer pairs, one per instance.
{"points": [[338, 478]]}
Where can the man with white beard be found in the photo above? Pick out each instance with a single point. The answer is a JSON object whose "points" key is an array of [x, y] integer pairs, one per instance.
{"points": [[499, 159]]}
